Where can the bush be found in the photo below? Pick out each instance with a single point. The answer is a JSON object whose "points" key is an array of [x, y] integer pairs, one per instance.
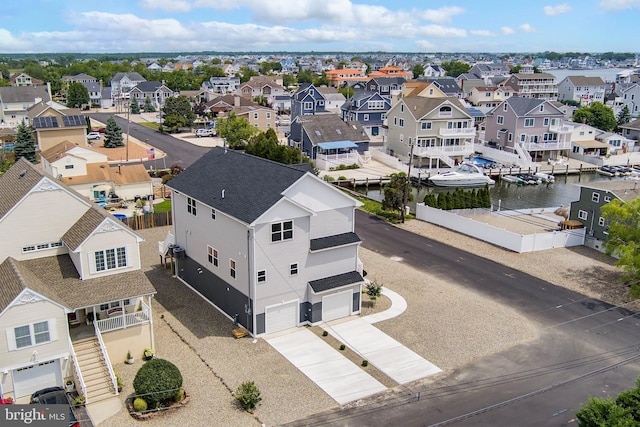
{"points": [[365, 363], [179, 397], [342, 346], [325, 333], [248, 395], [139, 404], [157, 380]]}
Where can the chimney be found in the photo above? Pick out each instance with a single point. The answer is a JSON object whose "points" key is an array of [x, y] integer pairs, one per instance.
{"points": [[236, 100]]}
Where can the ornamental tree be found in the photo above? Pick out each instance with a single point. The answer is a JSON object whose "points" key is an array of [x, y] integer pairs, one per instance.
{"points": [[112, 134], [25, 143]]}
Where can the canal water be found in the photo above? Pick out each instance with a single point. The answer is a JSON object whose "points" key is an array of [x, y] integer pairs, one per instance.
{"points": [[507, 195]]}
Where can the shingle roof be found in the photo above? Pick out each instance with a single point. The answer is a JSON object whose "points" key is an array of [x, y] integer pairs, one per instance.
{"points": [[624, 189], [333, 241], [329, 127], [521, 106], [61, 278], [16, 183], [420, 106], [84, 226], [586, 81], [16, 94], [251, 185], [635, 124], [14, 278], [336, 281], [119, 175], [150, 86]]}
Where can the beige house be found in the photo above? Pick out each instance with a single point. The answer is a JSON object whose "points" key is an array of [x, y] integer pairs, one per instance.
{"points": [[489, 96], [258, 116], [16, 100], [56, 125], [89, 173], [74, 299], [267, 87], [439, 132]]}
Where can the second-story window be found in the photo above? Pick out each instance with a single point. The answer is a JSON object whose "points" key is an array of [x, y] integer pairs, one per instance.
{"points": [[528, 123], [282, 231], [191, 206]]}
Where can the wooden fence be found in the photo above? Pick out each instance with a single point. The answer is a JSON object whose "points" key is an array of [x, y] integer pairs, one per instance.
{"points": [[150, 220]]}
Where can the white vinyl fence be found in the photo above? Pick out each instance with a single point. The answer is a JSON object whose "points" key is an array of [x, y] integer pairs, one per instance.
{"points": [[498, 236]]}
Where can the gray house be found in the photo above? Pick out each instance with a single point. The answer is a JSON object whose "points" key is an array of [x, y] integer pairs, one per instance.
{"points": [[594, 195], [270, 245]]}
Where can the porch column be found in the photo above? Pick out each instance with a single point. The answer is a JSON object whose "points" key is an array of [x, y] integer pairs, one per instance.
{"points": [[153, 345], [123, 315]]}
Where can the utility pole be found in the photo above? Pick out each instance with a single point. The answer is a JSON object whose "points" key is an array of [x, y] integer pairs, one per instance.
{"points": [[407, 187]]}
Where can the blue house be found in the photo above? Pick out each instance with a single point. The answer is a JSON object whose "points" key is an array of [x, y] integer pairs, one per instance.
{"points": [[307, 100], [367, 108]]}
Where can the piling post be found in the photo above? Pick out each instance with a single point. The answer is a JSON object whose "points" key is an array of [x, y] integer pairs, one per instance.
{"points": [[366, 183], [566, 171]]}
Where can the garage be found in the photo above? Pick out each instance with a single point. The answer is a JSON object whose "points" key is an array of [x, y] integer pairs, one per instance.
{"points": [[281, 317], [35, 377], [336, 306]]}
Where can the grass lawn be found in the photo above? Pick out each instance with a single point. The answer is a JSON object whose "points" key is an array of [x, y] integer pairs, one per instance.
{"points": [[150, 125], [164, 206]]}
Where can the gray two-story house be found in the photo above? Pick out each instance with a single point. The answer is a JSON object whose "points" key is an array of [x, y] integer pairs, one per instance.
{"points": [[367, 108], [594, 195], [270, 245], [307, 100], [531, 128]]}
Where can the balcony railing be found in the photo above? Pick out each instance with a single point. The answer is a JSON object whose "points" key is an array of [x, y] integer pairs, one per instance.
{"points": [[546, 146], [449, 150], [462, 132], [124, 321], [561, 128]]}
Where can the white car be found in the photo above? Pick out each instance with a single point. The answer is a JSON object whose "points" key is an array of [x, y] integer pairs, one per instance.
{"points": [[93, 135], [204, 132]]}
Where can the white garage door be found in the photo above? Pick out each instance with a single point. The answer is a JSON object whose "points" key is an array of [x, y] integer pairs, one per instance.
{"points": [[336, 306], [31, 378], [281, 317]]}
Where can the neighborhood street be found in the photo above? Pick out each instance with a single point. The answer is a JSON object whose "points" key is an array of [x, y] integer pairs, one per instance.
{"points": [[586, 347]]}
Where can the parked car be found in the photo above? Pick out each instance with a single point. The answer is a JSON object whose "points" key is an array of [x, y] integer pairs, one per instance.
{"points": [[93, 135], [99, 130], [204, 132], [54, 396]]}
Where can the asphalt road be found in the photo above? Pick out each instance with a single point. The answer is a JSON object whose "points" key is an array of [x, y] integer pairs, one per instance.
{"points": [[178, 152], [586, 348]]}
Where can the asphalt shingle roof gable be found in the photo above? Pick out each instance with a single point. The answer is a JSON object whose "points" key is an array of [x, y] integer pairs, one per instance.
{"points": [[251, 185]]}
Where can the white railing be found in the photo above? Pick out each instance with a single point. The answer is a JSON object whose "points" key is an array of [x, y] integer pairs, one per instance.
{"points": [[363, 160], [561, 128], [76, 366], [107, 362], [447, 150], [163, 247], [327, 161], [462, 132], [124, 321], [546, 146], [524, 155]]}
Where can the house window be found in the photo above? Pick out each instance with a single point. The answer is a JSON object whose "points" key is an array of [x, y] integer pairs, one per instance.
{"points": [[541, 107], [395, 121], [282, 231], [366, 118], [293, 269], [510, 137], [191, 206], [601, 222], [232, 268], [528, 123], [308, 106], [33, 334], [425, 125], [213, 214], [401, 124], [523, 137], [268, 115], [110, 259], [595, 197], [262, 276], [212, 256], [583, 215], [504, 107], [500, 120], [68, 166], [255, 116], [41, 246], [607, 199], [545, 122]]}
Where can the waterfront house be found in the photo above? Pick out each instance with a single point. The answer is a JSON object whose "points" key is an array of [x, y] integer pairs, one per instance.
{"points": [[439, 131], [333, 99], [270, 245], [489, 96], [594, 195], [266, 87], [74, 299], [631, 130], [367, 108], [533, 85], [307, 100], [584, 90], [631, 99], [533, 129], [156, 91]]}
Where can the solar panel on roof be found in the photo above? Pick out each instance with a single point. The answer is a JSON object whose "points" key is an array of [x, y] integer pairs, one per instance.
{"points": [[45, 122], [77, 120]]}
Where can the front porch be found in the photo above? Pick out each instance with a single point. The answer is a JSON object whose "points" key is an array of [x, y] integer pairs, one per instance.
{"points": [[107, 318]]}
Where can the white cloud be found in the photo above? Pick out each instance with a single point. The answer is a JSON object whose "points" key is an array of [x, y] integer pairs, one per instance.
{"points": [[507, 30], [425, 45], [483, 33], [619, 4], [439, 31], [168, 5], [527, 28], [442, 15], [557, 9]]}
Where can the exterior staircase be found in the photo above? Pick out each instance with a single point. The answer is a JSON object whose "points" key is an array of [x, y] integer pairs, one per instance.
{"points": [[95, 372]]}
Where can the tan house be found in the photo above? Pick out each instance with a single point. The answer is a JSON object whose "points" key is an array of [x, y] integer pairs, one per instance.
{"points": [[263, 118], [89, 173], [23, 79], [56, 125], [267, 87], [489, 96], [74, 299]]}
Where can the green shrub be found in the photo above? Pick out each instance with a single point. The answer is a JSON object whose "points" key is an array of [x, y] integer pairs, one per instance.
{"points": [[328, 178], [139, 404], [342, 346], [365, 363], [248, 395], [325, 333], [342, 178], [179, 397], [156, 381]]}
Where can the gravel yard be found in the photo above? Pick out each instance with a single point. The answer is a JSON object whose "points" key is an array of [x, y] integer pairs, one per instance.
{"points": [[444, 322]]}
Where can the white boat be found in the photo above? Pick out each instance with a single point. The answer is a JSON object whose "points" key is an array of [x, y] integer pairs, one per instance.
{"points": [[465, 175]]}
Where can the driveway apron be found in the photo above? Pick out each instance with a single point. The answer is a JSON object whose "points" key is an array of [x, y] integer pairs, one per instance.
{"points": [[331, 371]]}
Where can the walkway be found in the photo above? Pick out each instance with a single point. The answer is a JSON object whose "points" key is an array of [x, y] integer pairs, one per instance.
{"points": [[338, 376]]}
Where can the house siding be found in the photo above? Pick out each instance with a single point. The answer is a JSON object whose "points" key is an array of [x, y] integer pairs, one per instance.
{"points": [[18, 230], [109, 240], [51, 137]]}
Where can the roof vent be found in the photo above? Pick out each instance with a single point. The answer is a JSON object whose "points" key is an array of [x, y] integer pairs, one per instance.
{"points": [[223, 193], [23, 173]]}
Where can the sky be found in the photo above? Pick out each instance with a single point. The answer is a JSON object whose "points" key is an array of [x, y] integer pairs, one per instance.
{"points": [[115, 26]]}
